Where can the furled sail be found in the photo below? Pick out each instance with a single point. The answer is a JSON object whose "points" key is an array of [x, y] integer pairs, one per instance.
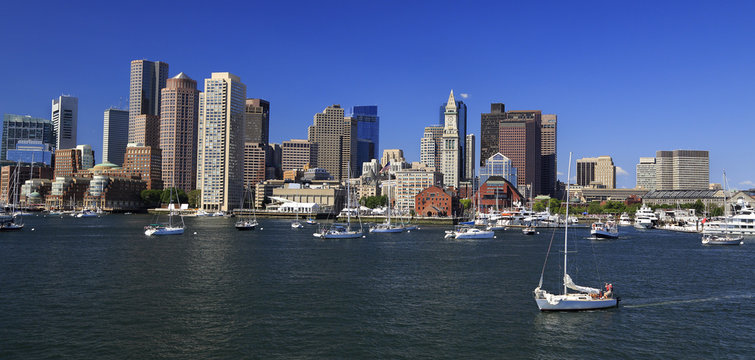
{"points": [[571, 285]]}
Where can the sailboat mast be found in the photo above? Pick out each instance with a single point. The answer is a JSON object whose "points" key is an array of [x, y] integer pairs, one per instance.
{"points": [[566, 224], [726, 206], [348, 197]]}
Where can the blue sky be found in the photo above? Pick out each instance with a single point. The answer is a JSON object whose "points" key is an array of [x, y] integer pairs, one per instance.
{"points": [[625, 78]]}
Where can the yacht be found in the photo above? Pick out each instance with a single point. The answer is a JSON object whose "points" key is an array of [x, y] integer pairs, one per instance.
{"points": [[741, 223], [645, 218], [625, 220]]}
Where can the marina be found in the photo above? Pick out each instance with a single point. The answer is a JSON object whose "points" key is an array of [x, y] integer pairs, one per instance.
{"points": [[100, 288]]}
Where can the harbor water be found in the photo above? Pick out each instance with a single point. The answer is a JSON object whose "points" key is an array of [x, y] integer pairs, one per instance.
{"points": [[99, 288]]}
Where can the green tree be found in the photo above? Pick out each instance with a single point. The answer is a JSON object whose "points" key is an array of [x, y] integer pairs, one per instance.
{"points": [[540, 205], [151, 197], [194, 197], [554, 204], [716, 211], [375, 201], [698, 206], [169, 195], [594, 208], [465, 203]]}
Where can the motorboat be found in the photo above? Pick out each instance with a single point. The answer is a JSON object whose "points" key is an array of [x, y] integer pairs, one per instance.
{"points": [[604, 230], [529, 230], [296, 225]]}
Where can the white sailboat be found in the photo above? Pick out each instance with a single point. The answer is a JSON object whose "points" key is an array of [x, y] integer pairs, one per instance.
{"points": [[468, 232], [167, 229], [387, 226], [585, 298], [246, 222], [13, 221], [725, 238], [342, 231], [296, 224]]}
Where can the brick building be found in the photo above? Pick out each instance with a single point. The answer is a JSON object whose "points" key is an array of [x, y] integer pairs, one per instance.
{"points": [[433, 201]]}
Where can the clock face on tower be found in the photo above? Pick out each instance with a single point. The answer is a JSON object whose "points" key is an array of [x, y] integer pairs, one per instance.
{"points": [[451, 121]]}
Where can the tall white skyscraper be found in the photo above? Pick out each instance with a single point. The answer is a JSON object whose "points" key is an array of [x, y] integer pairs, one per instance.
{"points": [[220, 152], [646, 173], [114, 135], [65, 115], [450, 146], [430, 147]]}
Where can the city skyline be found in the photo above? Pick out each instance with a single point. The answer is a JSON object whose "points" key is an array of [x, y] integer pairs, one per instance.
{"points": [[642, 69]]}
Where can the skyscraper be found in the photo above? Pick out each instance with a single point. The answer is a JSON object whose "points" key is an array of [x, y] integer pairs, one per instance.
{"points": [[24, 127], [682, 170], [114, 135], [599, 170], [257, 121], [548, 173], [87, 156], [334, 137], [368, 134], [220, 155], [147, 79], [645, 171], [451, 167], [65, 114], [489, 127], [179, 112], [254, 163], [430, 147], [296, 154], [469, 163], [519, 140], [461, 125]]}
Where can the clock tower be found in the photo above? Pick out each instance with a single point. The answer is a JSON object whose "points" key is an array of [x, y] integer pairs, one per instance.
{"points": [[450, 145]]}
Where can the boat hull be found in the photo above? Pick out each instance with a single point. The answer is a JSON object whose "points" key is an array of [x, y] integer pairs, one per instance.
{"points": [[386, 230], [603, 234], [476, 235], [164, 231], [576, 304], [344, 235]]}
